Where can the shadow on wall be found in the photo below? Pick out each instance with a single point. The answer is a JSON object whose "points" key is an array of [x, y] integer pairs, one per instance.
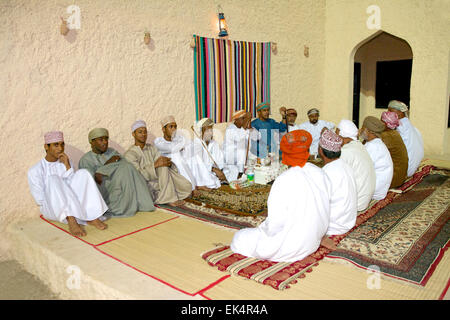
{"points": [[151, 45], [74, 154], [71, 36], [116, 146], [151, 138]]}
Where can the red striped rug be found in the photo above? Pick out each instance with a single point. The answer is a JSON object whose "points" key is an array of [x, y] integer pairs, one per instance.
{"points": [[280, 275]]}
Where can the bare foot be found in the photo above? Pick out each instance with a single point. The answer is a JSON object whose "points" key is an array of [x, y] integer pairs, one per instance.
{"points": [[177, 203], [328, 243], [195, 193], [98, 224], [203, 188], [74, 228]]}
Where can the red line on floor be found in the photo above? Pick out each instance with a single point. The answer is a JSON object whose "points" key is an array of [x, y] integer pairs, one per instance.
{"points": [[143, 272], [200, 292], [433, 266], [156, 224], [212, 284], [42, 217], [441, 297], [203, 296], [99, 244], [198, 218]]}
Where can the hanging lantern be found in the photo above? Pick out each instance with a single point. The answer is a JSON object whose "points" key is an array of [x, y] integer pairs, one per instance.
{"points": [[222, 25]]}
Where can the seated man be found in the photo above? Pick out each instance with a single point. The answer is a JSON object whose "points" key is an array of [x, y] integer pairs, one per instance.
{"points": [[410, 135], [291, 116], [172, 145], [269, 129], [343, 198], [382, 161], [208, 171], [356, 156], [236, 142], [165, 183], [62, 194], [298, 208], [394, 142], [315, 127], [121, 185]]}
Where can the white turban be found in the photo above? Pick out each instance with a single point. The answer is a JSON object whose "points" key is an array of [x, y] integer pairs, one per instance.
{"points": [[347, 129], [166, 120], [238, 114], [138, 124], [205, 122], [312, 111]]}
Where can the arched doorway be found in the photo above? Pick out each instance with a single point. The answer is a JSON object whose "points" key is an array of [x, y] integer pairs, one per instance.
{"points": [[382, 72]]}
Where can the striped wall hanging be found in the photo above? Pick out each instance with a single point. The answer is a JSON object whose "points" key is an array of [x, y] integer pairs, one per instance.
{"points": [[230, 76]]}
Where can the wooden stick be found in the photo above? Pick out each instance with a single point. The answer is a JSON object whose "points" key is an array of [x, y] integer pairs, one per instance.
{"points": [[207, 151], [248, 144], [285, 118]]}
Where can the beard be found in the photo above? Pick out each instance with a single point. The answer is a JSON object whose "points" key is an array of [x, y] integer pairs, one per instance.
{"points": [[363, 136], [207, 136]]}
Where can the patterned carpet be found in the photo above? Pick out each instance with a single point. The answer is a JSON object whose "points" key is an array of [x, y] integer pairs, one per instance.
{"points": [[216, 216], [235, 209], [249, 201], [407, 238], [228, 207]]}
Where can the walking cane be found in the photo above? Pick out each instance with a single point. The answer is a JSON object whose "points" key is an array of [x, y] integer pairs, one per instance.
{"points": [[287, 126], [248, 144], [285, 118], [207, 151]]}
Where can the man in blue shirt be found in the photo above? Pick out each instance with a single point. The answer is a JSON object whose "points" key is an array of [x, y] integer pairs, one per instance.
{"points": [[270, 131]]}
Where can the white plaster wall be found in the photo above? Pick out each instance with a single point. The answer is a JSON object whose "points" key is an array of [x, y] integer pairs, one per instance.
{"points": [[424, 25], [104, 75]]}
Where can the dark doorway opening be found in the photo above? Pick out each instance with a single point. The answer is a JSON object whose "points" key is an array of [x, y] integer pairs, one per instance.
{"points": [[356, 92], [393, 82], [448, 125]]}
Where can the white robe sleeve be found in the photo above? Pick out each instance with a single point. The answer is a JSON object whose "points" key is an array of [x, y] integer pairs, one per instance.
{"points": [[177, 144], [36, 183], [69, 173], [217, 154], [254, 134]]}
